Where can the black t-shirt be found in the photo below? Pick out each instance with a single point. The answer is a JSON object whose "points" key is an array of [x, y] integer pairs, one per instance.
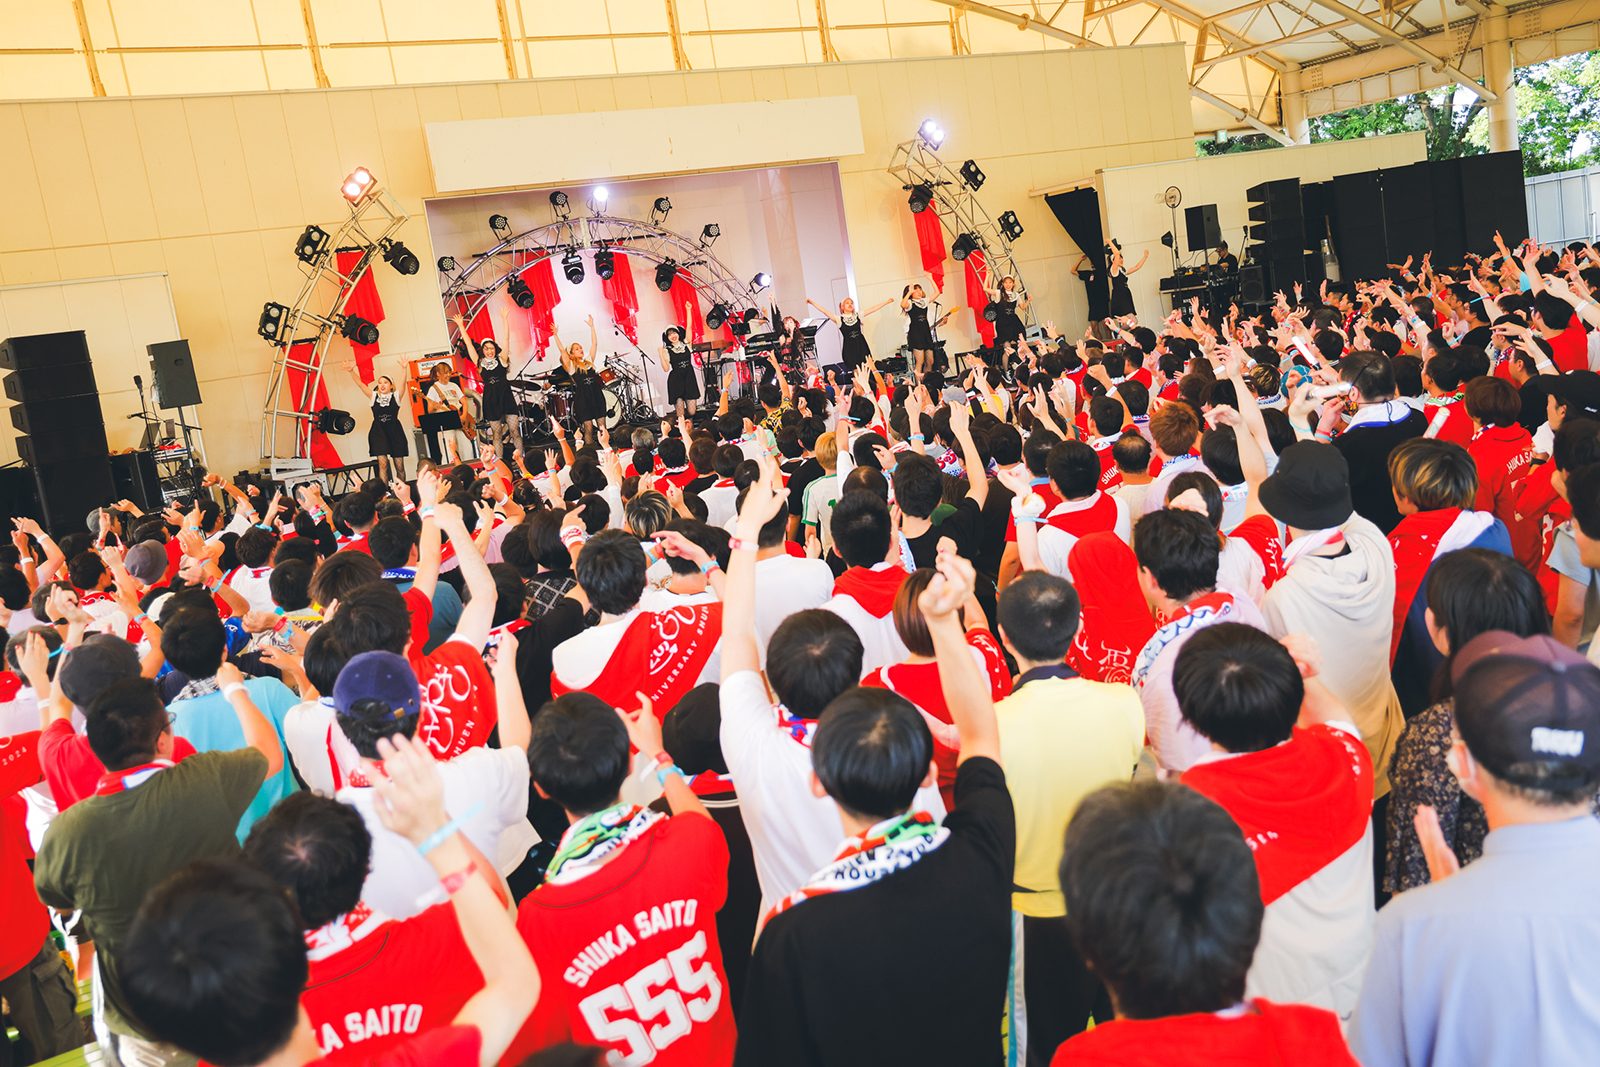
{"points": [[801, 474], [1535, 393], [1228, 262], [701, 484], [963, 526], [909, 970], [1366, 449]]}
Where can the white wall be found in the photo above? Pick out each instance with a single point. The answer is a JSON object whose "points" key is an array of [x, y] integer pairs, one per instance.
{"points": [[1131, 206]]}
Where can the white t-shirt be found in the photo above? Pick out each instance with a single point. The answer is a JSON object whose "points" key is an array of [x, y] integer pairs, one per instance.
{"points": [[255, 585], [880, 641], [580, 659], [784, 585], [486, 789], [817, 507], [793, 833], [1056, 545], [315, 744], [722, 502], [445, 394]]}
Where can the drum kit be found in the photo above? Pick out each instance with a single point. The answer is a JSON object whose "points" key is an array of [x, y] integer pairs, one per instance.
{"points": [[545, 400]]}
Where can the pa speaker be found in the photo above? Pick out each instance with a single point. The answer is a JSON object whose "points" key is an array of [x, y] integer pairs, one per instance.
{"points": [[1274, 200], [56, 382], [59, 429], [1492, 198], [71, 488], [137, 479], [173, 369], [44, 350], [1252, 285], [1201, 222]]}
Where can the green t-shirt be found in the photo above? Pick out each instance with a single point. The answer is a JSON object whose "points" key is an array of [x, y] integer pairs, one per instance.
{"points": [[105, 853]]}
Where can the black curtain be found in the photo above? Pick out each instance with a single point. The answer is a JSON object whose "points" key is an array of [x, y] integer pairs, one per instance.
{"points": [[1078, 211]]}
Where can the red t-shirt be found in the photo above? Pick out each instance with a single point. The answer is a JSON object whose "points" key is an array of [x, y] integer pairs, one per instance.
{"points": [[629, 956], [72, 770], [1260, 532], [1110, 476], [1450, 422], [366, 990], [451, 1046], [1503, 456], [1051, 498], [1263, 1033], [1569, 349], [458, 705], [26, 923]]}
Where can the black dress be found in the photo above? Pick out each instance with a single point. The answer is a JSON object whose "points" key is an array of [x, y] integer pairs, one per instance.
{"points": [[682, 382], [588, 400], [919, 335], [1007, 323], [1121, 295], [497, 399], [856, 351], [386, 436]]}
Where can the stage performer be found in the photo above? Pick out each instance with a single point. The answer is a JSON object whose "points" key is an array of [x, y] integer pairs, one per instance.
{"points": [[1010, 302], [386, 437], [588, 398], [914, 304], [445, 397], [683, 380], [499, 407], [1121, 295], [856, 351]]}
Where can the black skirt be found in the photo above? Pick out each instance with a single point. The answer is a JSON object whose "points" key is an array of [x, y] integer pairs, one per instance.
{"points": [[920, 335], [682, 381], [1007, 323], [856, 351], [497, 399], [386, 436], [1121, 296], [588, 399]]}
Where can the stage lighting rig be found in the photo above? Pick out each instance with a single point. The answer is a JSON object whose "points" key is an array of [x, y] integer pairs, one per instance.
{"points": [[965, 244], [660, 210], [399, 257], [335, 421], [521, 295], [358, 185], [709, 234], [921, 197], [561, 205], [973, 175], [598, 199], [500, 226], [358, 330], [447, 264], [312, 245], [991, 311], [274, 317], [1010, 226], [605, 263], [761, 281], [716, 316], [932, 133], [665, 272], [572, 266]]}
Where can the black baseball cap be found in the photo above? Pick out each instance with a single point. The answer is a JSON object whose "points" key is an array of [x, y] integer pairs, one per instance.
{"points": [[94, 665], [1579, 392], [1528, 709], [1310, 490]]}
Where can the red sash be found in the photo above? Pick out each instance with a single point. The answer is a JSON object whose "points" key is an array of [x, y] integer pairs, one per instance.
{"points": [[1098, 517], [1301, 804], [118, 781], [1414, 540], [661, 655], [874, 590]]}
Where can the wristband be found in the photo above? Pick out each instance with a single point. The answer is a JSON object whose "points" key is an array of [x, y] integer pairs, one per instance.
{"points": [[141, 618], [427, 512], [919, 438], [447, 831], [661, 775], [741, 545], [408, 507], [262, 526], [662, 759], [573, 535], [232, 688], [212, 587], [710, 565], [453, 883]]}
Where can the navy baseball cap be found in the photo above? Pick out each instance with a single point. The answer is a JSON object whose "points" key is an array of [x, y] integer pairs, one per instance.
{"points": [[377, 676]]}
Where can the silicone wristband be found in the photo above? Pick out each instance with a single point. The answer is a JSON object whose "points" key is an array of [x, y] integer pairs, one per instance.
{"points": [[661, 775], [740, 545], [710, 565], [232, 688], [453, 883], [447, 831]]}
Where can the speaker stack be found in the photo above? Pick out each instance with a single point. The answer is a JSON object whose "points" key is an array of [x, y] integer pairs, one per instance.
{"points": [[1204, 233], [1277, 233], [51, 379]]}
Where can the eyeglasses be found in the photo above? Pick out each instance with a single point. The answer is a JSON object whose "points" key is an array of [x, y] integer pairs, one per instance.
{"points": [[172, 720]]}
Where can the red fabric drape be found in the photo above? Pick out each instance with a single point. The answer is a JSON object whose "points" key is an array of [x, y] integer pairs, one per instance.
{"points": [[977, 274], [365, 303], [323, 454], [683, 292], [479, 328], [624, 298], [930, 239], [541, 279]]}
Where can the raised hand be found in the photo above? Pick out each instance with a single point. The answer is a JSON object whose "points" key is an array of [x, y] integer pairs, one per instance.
{"points": [[644, 729]]}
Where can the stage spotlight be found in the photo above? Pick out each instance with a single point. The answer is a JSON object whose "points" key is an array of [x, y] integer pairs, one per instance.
{"points": [[660, 210], [1010, 226], [335, 421], [965, 244], [358, 185], [709, 234], [1167, 239], [761, 281], [572, 266], [312, 245], [598, 199], [716, 316], [521, 295], [560, 205], [399, 257], [738, 326], [991, 311], [921, 197], [359, 330], [447, 264], [274, 317], [973, 175], [667, 271], [931, 132], [605, 263], [500, 226]]}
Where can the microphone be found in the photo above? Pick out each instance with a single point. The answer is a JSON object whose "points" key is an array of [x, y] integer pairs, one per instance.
{"points": [[138, 383]]}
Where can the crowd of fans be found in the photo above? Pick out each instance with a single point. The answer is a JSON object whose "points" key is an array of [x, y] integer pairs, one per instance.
{"points": [[1204, 692]]}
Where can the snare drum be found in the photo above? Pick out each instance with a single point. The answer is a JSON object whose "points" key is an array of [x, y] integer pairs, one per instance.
{"points": [[558, 404], [608, 376]]}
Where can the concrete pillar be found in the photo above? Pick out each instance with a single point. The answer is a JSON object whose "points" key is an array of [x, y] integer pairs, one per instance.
{"points": [[1497, 78], [1295, 123]]}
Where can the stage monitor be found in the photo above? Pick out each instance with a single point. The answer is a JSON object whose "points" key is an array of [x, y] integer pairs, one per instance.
{"points": [[1493, 198], [1204, 233]]}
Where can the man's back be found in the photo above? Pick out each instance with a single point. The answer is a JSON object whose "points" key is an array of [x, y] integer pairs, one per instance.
{"points": [[1499, 963], [1366, 447]]}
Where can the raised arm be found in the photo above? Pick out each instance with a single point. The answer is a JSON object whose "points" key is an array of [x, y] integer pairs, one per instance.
{"points": [[258, 731], [644, 731], [515, 727], [1145, 255], [971, 458], [594, 340], [429, 551], [966, 690], [830, 315], [761, 502], [477, 617]]}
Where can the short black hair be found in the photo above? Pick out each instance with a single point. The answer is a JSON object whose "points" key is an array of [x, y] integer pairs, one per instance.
{"points": [[672, 452], [290, 585], [342, 574], [1131, 452], [373, 618], [255, 546], [542, 530], [1179, 549], [861, 528], [1238, 687], [356, 509], [316, 848], [86, 569], [812, 657], [1106, 414], [391, 542], [1474, 590], [774, 530], [1556, 312], [871, 752], [215, 964], [124, 723], [611, 569], [1036, 452], [323, 659], [1005, 441], [1583, 492], [1219, 451], [1074, 470], [578, 751], [1577, 444], [1163, 901], [1202, 483], [1369, 372], [194, 641], [1038, 613], [918, 485], [727, 458]]}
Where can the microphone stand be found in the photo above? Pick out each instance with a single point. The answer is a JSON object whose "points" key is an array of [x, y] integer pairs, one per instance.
{"points": [[644, 366]]}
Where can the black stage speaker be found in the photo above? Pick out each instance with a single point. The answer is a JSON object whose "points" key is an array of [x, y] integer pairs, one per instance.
{"points": [[1252, 285], [173, 368], [58, 411], [1277, 232], [69, 489], [1358, 231], [45, 350], [137, 479], [1449, 222], [1492, 198], [1407, 217], [1201, 222]]}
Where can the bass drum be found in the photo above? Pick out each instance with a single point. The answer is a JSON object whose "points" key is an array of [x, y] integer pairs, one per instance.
{"points": [[614, 408]]}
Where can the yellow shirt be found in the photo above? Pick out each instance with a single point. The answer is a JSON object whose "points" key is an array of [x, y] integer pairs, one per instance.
{"points": [[1061, 738]]}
